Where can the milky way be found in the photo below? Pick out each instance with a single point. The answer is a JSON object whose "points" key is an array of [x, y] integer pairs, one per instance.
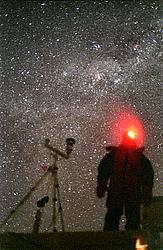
{"points": [[69, 69]]}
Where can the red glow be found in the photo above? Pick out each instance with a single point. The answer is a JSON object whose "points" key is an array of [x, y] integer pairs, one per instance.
{"points": [[129, 124]]}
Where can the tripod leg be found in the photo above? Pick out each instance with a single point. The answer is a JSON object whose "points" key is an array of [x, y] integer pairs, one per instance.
{"points": [[56, 197], [37, 222], [60, 210], [24, 199], [55, 185]]}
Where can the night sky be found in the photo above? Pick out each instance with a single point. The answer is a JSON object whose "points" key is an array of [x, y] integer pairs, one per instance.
{"points": [[73, 69]]}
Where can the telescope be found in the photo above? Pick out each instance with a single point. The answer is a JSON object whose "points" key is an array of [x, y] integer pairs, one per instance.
{"points": [[69, 147], [52, 170]]}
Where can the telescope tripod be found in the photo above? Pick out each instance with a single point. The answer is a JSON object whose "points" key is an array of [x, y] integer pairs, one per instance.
{"points": [[53, 170]]}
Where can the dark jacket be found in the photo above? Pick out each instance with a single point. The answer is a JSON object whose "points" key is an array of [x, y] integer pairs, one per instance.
{"points": [[130, 174]]}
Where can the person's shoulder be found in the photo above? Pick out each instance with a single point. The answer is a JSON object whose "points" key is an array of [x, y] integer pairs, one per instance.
{"points": [[140, 150], [145, 160], [111, 148]]}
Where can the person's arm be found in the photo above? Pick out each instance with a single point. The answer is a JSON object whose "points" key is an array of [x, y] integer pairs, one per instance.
{"points": [[104, 172], [147, 180]]}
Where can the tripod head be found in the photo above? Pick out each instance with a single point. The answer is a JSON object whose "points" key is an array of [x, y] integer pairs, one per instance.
{"points": [[69, 147]]}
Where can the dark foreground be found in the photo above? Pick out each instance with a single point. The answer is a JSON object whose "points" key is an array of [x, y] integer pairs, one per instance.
{"points": [[76, 240]]}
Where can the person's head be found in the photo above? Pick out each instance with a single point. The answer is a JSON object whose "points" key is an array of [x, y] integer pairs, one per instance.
{"points": [[129, 140]]}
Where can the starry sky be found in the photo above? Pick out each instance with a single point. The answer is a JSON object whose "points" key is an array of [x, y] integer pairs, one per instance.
{"points": [[72, 69]]}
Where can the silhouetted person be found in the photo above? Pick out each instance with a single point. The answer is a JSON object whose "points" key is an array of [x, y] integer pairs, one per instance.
{"points": [[131, 181]]}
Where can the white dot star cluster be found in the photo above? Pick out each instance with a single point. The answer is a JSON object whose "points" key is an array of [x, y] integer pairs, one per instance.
{"points": [[68, 69]]}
